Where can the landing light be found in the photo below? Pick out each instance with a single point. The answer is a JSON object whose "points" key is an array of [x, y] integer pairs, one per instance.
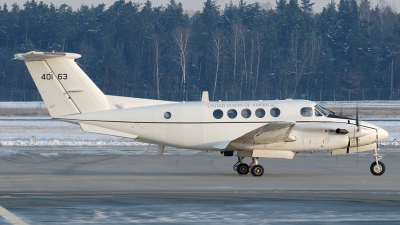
{"points": [[341, 131]]}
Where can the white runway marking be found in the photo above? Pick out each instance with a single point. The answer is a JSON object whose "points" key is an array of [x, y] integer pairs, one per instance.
{"points": [[11, 217]]}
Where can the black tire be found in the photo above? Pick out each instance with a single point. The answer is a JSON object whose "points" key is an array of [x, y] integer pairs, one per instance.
{"points": [[242, 169], [257, 170], [377, 170]]}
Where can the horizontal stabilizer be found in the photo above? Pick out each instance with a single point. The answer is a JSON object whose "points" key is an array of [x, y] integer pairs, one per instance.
{"points": [[38, 56], [101, 130]]}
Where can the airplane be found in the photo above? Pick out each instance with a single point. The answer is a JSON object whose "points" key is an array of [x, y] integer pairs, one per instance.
{"points": [[256, 129]]}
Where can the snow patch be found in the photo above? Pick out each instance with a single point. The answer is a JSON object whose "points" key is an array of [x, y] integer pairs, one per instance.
{"points": [[13, 105], [72, 143], [49, 155]]}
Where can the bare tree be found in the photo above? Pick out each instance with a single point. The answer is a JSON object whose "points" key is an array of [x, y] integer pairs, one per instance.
{"points": [[181, 36], [216, 49], [365, 13], [243, 75], [315, 44], [387, 18], [237, 29], [157, 52], [257, 39], [299, 58]]}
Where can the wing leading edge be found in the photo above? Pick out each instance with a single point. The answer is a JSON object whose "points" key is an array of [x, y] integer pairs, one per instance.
{"points": [[269, 133]]}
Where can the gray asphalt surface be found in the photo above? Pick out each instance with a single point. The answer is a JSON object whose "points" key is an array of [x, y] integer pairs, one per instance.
{"points": [[59, 184], [34, 171]]}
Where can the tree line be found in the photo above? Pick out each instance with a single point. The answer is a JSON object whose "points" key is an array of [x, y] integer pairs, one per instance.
{"points": [[236, 52]]}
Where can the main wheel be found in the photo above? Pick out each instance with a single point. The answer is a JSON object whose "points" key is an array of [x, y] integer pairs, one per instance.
{"points": [[257, 170], [377, 169], [242, 168]]}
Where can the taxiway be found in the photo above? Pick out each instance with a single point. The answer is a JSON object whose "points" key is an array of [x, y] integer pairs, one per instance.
{"points": [[34, 178]]}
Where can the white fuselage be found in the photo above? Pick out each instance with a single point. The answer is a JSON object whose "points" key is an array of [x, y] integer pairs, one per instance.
{"points": [[192, 125]]}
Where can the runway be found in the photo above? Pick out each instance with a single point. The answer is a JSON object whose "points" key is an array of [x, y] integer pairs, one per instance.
{"points": [[43, 185]]}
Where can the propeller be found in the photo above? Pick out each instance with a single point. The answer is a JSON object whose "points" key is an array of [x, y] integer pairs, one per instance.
{"points": [[357, 118], [377, 144], [358, 129]]}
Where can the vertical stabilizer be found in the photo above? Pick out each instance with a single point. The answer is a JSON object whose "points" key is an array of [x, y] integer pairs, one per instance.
{"points": [[63, 85]]}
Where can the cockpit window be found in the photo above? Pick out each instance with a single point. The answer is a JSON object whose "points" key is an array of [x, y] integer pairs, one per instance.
{"points": [[306, 112], [322, 110], [317, 113]]}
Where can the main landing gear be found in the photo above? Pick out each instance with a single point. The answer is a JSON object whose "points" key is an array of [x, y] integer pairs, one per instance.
{"points": [[242, 168], [377, 168]]}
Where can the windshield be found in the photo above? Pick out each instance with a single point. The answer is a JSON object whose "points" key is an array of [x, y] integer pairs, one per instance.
{"points": [[322, 110]]}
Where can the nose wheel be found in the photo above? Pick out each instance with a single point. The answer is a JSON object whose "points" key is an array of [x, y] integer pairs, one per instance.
{"points": [[377, 168]]}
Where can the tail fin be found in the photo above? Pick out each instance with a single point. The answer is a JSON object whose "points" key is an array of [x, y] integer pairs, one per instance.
{"points": [[63, 85]]}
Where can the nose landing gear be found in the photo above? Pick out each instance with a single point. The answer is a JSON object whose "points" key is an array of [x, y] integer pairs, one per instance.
{"points": [[377, 168]]}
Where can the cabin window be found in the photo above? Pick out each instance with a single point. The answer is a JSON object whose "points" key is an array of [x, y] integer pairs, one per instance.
{"points": [[218, 114], [275, 112], [246, 113], [306, 112], [167, 115], [232, 113], [260, 113]]}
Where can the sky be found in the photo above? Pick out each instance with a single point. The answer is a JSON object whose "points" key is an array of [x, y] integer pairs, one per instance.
{"points": [[188, 4]]}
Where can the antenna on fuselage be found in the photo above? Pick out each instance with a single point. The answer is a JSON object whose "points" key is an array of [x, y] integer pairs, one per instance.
{"points": [[205, 97]]}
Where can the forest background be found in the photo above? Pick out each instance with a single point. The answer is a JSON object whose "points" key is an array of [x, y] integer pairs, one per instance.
{"points": [[349, 51]]}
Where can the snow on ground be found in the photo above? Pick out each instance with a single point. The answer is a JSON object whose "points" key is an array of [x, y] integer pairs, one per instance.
{"points": [[22, 105], [354, 104], [368, 110], [43, 131]]}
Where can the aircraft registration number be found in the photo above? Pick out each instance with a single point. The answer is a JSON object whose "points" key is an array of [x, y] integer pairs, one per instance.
{"points": [[50, 76]]}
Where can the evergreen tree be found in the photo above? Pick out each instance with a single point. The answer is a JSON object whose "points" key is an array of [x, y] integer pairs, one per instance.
{"points": [[244, 51]]}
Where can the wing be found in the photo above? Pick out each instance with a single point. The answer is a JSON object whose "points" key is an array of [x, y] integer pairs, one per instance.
{"points": [[270, 133]]}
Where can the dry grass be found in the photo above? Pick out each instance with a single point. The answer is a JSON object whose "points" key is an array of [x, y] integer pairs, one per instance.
{"points": [[24, 112]]}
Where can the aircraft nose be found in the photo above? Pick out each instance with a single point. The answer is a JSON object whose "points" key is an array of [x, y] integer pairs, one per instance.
{"points": [[382, 134]]}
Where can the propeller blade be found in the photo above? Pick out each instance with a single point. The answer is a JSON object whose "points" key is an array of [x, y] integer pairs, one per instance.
{"points": [[358, 129], [357, 150], [357, 121]]}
